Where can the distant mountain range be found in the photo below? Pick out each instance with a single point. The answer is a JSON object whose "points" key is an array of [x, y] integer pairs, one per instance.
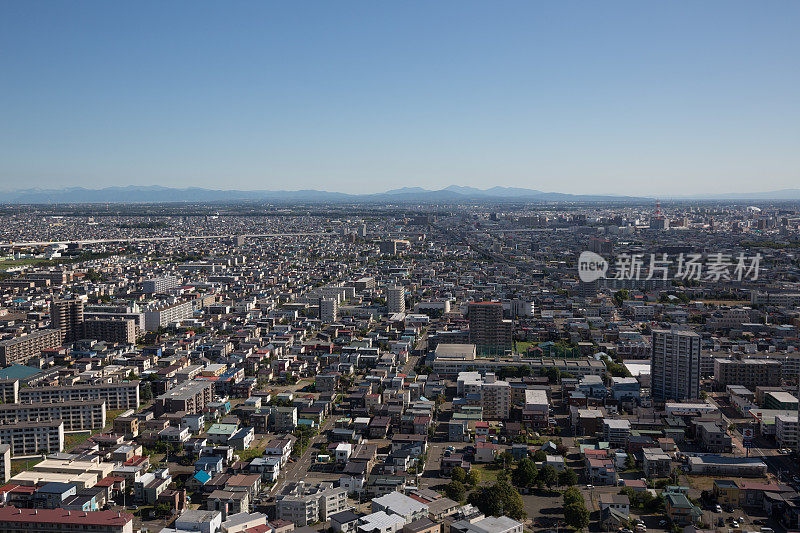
{"points": [[449, 195]]}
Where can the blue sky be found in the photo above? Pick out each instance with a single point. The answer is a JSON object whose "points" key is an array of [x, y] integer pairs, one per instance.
{"points": [[585, 97]]}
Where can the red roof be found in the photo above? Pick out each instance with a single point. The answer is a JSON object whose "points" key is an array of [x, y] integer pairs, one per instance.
{"points": [[62, 516]]}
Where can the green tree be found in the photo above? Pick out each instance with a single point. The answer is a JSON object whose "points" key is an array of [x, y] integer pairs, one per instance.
{"points": [[548, 475], [145, 392], [572, 495], [539, 456], [567, 477], [455, 490], [459, 474], [621, 296], [576, 515], [498, 499], [512, 501], [524, 474], [473, 477]]}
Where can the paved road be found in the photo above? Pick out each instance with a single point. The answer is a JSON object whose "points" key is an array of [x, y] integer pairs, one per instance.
{"points": [[298, 470]]}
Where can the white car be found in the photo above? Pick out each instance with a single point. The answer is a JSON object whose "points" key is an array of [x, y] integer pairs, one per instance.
{"points": [[735, 524]]}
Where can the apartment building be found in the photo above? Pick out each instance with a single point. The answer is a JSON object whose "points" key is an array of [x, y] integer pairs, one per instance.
{"points": [[396, 300], [67, 316], [304, 504], [9, 390], [328, 310], [786, 431], [675, 365], [124, 395], [14, 520], [495, 397], [159, 285], [162, 316], [750, 373], [116, 330], [32, 438], [487, 329], [191, 397], [20, 349], [5, 462], [536, 411], [76, 415], [616, 431]]}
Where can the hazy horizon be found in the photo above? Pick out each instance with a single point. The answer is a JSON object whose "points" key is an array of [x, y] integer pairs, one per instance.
{"points": [[357, 97]]}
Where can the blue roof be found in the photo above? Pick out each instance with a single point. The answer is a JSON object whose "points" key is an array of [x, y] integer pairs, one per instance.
{"points": [[18, 372], [202, 476]]}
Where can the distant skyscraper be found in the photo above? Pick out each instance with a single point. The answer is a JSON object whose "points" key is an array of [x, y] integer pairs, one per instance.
{"points": [[328, 310], [487, 329], [675, 365], [67, 315], [396, 299], [601, 246]]}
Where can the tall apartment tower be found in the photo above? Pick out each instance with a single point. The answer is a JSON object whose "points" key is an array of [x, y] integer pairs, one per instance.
{"points": [[487, 330], [67, 315], [396, 299], [328, 310], [675, 365]]}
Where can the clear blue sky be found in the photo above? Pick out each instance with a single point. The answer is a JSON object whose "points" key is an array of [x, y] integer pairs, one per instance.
{"points": [[618, 97]]}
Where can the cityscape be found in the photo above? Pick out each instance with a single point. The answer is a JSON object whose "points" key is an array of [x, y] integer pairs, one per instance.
{"points": [[382, 267]]}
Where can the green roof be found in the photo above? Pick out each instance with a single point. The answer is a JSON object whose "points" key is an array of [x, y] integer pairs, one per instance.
{"points": [[19, 372]]}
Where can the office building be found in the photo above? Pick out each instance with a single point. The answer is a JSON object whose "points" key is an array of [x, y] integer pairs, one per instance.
{"points": [[487, 329], [675, 365], [67, 315], [21, 349], [396, 300]]}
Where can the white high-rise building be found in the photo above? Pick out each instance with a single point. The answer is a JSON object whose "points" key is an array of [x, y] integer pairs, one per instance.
{"points": [[396, 299], [495, 397], [328, 310], [675, 365]]}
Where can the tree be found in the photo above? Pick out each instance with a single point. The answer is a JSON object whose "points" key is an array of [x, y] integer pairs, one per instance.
{"points": [[567, 477], [524, 474], [539, 456], [456, 491], [505, 459], [499, 499], [512, 501], [572, 495], [621, 296], [145, 392], [548, 475], [576, 515], [474, 477], [458, 474]]}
